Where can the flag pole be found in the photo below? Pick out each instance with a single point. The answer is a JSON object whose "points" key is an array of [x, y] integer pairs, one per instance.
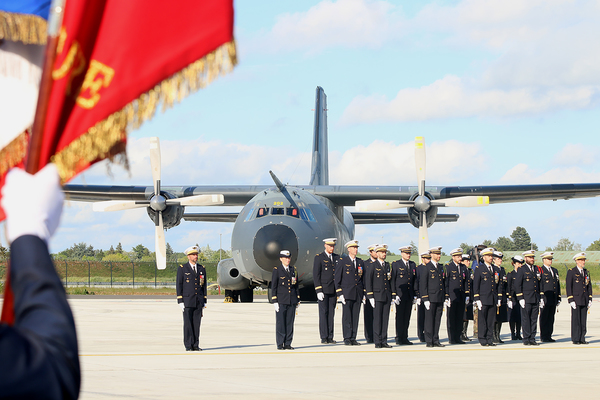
{"points": [[32, 165]]}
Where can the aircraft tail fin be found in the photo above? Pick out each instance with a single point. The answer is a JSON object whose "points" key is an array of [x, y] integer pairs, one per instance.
{"points": [[320, 153]]}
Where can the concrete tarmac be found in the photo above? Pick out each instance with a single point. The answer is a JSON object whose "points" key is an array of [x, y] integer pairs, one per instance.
{"points": [[133, 348]]}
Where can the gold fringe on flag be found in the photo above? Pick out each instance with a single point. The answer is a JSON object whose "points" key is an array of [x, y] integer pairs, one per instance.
{"points": [[26, 28], [14, 153], [106, 139]]}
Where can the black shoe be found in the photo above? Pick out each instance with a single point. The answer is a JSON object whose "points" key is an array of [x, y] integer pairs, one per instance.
{"points": [[324, 341], [377, 346], [484, 344], [355, 343], [188, 349], [534, 343], [519, 337], [460, 342], [551, 340], [576, 342], [438, 344], [280, 347], [491, 344], [584, 342], [288, 347], [429, 344], [196, 349], [421, 340], [526, 344], [369, 341], [398, 342], [386, 346], [500, 341], [406, 342], [347, 342], [331, 341]]}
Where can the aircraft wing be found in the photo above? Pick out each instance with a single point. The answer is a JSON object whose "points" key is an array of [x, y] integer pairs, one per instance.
{"points": [[394, 218], [211, 217]]}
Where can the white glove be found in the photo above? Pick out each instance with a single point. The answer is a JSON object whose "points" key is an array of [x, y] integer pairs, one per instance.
{"points": [[298, 305], [372, 301], [320, 296], [589, 304], [448, 303], [397, 300], [419, 301], [509, 304], [558, 303], [467, 299], [541, 303], [182, 306], [364, 300], [415, 300], [573, 305], [522, 303], [479, 305], [32, 203], [342, 299], [427, 304], [276, 305], [204, 306], [499, 302]]}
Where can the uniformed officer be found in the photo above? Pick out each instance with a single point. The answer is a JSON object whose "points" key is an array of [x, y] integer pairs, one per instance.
{"points": [[425, 259], [455, 275], [514, 317], [527, 287], [286, 300], [403, 276], [349, 287], [191, 297], [502, 308], [368, 310], [579, 295], [433, 294], [468, 314], [323, 276], [485, 289], [379, 293], [550, 288]]}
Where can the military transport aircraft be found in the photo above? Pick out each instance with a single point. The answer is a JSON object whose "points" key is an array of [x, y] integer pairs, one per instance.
{"points": [[298, 218]]}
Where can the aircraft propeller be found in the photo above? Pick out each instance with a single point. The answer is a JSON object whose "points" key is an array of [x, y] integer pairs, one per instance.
{"points": [[422, 202], [159, 203]]}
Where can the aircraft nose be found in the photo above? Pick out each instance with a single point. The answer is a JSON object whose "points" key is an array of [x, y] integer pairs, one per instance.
{"points": [[269, 241]]}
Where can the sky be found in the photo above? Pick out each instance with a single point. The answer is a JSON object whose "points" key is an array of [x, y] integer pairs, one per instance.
{"points": [[504, 92]]}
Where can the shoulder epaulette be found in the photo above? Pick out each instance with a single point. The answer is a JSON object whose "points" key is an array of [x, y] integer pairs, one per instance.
{"points": [[181, 265]]}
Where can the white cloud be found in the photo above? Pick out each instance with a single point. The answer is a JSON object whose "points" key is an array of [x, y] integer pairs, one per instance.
{"points": [[577, 154], [524, 174], [345, 23]]}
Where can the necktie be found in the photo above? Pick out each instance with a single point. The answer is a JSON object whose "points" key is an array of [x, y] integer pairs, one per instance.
{"points": [[194, 268]]}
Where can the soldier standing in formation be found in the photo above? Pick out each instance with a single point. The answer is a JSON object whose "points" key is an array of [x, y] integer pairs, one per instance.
{"points": [[350, 290], [286, 299], [425, 259], [368, 310], [468, 314], [502, 310], [514, 318], [455, 288], [191, 297], [485, 289], [404, 281], [433, 294], [323, 276], [550, 288], [379, 293], [527, 287], [579, 295]]}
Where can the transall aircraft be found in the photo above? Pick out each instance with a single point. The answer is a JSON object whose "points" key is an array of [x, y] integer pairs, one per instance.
{"points": [[298, 218]]}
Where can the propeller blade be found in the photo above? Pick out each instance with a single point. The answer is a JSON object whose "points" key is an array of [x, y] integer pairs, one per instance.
{"points": [[379, 205], [119, 205], [463, 201], [199, 200], [160, 246], [155, 163], [420, 163], [423, 235]]}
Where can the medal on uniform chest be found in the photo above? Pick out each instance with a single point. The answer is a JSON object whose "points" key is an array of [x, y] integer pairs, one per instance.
{"points": [[359, 270], [201, 280], [587, 279], [496, 277], [389, 275]]}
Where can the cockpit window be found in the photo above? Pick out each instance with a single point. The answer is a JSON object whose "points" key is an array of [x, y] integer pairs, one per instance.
{"points": [[278, 211], [262, 212], [292, 212], [307, 215]]}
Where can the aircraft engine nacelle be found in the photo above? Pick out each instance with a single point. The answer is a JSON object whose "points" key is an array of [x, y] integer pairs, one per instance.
{"points": [[229, 276], [415, 216], [171, 215]]}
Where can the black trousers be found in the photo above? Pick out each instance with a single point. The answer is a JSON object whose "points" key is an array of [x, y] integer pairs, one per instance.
{"points": [[578, 323], [326, 314], [192, 316], [433, 318], [486, 319], [403, 312], [529, 316], [368, 322], [454, 320], [421, 322], [350, 314], [547, 321], [284, 324], [381, 319]]}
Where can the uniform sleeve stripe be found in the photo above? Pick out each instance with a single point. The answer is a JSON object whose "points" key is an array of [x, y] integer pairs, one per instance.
{"points": [[339, 290], [370, 293], [273, 298], [180, 297], [319, 287]]}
